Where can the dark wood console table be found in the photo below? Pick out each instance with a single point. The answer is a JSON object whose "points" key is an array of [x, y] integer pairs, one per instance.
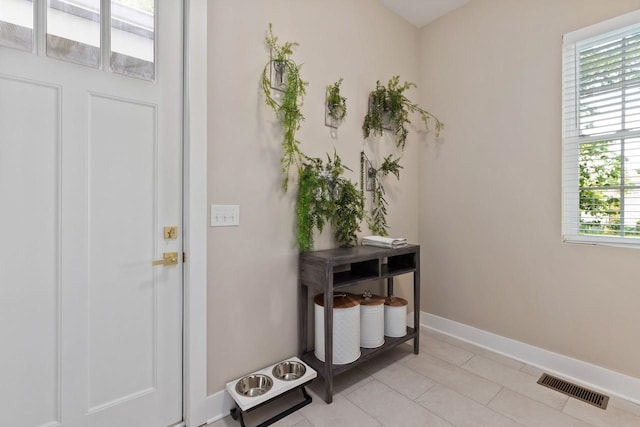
{"points": [[333, 269]]}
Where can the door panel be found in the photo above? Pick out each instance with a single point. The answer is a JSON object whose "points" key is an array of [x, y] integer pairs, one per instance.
{"points": [[29, 266], [122, 221]]}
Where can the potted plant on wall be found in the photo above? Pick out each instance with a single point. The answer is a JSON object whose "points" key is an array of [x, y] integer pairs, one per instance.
{"points": [[377, 221], [336, 105], [282, 74], [389, 108], [325, 196]]}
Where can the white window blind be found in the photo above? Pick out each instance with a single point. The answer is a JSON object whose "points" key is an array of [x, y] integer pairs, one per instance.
{"points": [[601, 133]]}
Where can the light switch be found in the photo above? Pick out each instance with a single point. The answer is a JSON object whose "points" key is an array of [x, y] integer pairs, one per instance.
{"points": [[225, 215]]}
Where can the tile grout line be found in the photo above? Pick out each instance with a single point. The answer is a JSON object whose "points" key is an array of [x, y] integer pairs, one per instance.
{"points": [[402, 396], [448, 387], [554, 409], [516, 391], [485, 350], [492, 399], [346, 396], [504, 366], [498, 412], [433, 385], [416, 373]]}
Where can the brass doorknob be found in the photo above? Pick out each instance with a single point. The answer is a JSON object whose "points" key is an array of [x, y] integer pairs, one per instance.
{"points": [[168, 258]]}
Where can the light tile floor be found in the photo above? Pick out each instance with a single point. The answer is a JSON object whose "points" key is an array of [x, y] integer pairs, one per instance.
{"points": [[451, 383]]}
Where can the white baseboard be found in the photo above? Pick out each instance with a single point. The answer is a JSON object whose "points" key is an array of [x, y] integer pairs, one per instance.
{"points": [[218, 406], [592, 376]]}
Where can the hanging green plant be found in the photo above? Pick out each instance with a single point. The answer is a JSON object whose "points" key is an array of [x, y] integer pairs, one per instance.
{"points": [[389, 109], [377, 221], [325, 196], [348, 213], [336, 104], [314, 202], [281, 73]]}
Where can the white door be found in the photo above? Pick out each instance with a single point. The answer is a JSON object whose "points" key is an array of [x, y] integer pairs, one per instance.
{"points": [[90, 173]]}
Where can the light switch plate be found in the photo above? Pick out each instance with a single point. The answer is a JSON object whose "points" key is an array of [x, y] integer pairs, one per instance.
{"points": [[225, 215]]}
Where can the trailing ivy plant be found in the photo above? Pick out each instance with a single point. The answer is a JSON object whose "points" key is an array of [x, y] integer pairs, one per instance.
{"points": [[377, 221], [389, 108], [288, 106], [325, 196], [336, 103]]}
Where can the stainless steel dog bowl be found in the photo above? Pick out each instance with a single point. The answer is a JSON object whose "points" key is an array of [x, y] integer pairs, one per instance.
{"points": [[289, 371], [254, 385]]}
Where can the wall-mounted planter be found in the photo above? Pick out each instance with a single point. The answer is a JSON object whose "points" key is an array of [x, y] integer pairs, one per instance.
{"points": [[385, 115], [335, 106], [389, 109], [278, 75], [334, 115], [281, 74]]}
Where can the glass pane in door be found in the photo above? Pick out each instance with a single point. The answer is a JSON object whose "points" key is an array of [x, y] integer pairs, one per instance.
{"points": [[16, 24], [133, 38], [73, 31]]}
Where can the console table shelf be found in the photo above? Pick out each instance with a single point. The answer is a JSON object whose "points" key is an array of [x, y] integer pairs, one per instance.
{"points": [[333, 269]]}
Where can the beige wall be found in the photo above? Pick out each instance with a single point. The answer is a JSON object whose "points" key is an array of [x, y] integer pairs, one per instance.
{"points": [[252, 269], [490, 191]]}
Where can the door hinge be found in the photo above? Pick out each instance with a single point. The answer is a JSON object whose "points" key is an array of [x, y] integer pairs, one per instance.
{"points": [[184, 257]]}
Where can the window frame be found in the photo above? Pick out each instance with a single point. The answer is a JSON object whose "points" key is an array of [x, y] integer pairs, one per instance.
{"points": [[572, 138]]}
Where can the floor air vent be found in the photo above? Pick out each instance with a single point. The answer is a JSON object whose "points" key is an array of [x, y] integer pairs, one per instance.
{"points": [[598, 400]]}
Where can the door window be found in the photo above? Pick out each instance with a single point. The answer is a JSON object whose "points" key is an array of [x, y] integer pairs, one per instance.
{"points": [[75, 32], [16, 24], [133, 38]]}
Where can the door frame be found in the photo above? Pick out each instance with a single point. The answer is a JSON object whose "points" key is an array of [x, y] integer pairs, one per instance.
{"points": [[195, 213]]}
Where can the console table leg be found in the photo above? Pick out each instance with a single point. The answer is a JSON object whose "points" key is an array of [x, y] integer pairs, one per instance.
{"points": [[328, 345], [303, 333], [416, 304], [328, 389]]}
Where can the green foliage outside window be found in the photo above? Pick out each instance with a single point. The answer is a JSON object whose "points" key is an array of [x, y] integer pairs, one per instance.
{"points": [[145, 5], [601, 183]]}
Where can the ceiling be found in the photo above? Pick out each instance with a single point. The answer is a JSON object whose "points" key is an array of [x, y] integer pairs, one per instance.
{"points": [[421, 12]]}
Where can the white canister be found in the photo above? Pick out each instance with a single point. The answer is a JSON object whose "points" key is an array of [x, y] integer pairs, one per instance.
{"points": [[395, 317], [371, 321], [346, 328]]}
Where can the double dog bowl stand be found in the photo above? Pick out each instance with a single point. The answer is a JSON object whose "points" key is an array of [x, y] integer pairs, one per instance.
{"points": [[262, 387]]}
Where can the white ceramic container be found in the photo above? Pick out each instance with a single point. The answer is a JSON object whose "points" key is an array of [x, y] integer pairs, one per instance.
{"points": [[371, 321], [346, 328], [395, 317]]}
